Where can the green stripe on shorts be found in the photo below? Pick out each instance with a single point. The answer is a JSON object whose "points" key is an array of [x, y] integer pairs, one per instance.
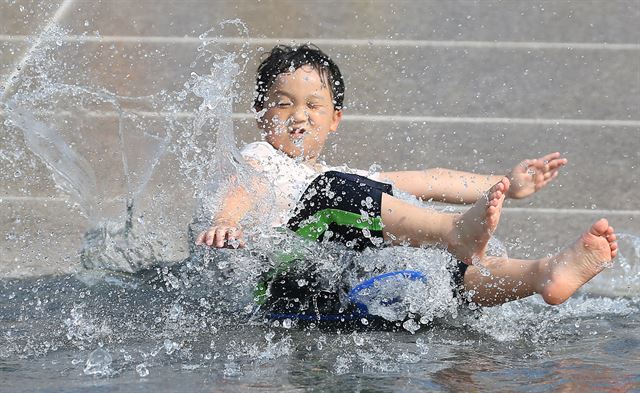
{"points": [[318, 224]]}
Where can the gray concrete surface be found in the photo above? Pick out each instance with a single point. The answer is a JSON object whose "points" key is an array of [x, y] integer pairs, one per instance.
{"points": [[471, 85]]}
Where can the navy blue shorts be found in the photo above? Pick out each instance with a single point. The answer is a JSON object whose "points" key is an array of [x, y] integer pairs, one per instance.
{"points": [[346, 206], [338, 207]]}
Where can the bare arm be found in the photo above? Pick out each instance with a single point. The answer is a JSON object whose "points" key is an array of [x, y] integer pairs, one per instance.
{"points": [[225, 230], [450, 186], [442, 185]]}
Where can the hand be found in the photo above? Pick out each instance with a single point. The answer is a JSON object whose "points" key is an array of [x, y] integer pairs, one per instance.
{"points": [[222, 234], [531, 175]]}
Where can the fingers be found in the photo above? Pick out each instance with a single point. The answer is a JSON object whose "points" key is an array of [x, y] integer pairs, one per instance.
{"points": [[550, 157], [544, 183], [234, 238], [556, 164], [200, 238], [551, 161], [543, 170], [524, 165], [221, 236]]}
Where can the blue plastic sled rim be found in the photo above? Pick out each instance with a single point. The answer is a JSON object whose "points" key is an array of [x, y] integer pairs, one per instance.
{"points": [[362, 310], [412, 275]]}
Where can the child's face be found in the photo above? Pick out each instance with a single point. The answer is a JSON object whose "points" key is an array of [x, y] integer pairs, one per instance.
{"points": [[300, 114]]}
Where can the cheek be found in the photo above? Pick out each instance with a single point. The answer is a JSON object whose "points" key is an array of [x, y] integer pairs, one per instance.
{"points": [[320, 115], [273, 123]]}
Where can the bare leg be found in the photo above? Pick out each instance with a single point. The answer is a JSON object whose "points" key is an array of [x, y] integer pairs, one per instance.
{"points": [[555, 278], [510, 279], [474, 228], [465, 235]]}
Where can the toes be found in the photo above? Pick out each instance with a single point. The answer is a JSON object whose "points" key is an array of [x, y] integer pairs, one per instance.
{"points": [[495, 198], [599, 228], [505, 181], [502, 186]]}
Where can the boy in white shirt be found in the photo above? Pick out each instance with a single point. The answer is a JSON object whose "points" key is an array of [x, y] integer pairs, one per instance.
{"points": [[300, 98]]}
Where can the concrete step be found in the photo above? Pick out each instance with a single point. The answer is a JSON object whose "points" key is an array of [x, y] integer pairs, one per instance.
{"points": [[426, 81], [584, 21], [594, 153], [25, 17]]}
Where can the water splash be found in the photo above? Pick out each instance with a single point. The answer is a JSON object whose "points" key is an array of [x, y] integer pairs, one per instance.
{"points": [[99, 363], [199, 309], [423, 301], [48, 112], [622, 276], [72, 173]]}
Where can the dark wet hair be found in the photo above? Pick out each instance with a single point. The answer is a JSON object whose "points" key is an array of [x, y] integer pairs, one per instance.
{"points": [[286, 59]]}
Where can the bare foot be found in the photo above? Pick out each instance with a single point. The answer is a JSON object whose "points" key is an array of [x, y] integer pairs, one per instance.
{"points": [[577, 264], [474, 228]]}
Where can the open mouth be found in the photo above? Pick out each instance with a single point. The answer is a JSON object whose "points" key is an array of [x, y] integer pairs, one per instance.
{"points": [[297, 132]]}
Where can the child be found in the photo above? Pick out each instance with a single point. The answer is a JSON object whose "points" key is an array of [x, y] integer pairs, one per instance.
{"points": [[300, 97]]}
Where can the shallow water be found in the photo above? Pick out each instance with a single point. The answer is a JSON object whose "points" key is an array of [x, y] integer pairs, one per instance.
{"points": [[58, 334]]}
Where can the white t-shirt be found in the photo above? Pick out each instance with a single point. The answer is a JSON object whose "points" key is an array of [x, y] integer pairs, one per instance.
{"points": [[288, 177]]}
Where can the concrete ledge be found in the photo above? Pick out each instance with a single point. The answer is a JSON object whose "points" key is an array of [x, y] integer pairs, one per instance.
{"points": [[431, 20], [426, 81], [44, 237]]}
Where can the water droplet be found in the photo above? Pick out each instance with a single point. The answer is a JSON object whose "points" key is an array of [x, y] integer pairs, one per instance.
{"points": [[411, 326], [142, 370], [98, 363], [175, 312], [170, 346]]}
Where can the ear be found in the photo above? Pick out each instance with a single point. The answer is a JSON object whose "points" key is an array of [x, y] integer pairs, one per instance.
{"points": [[335, 121]]}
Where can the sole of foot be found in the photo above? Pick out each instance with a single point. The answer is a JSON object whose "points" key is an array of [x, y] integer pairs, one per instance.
{"points": [[574, 266], [474, 228]]}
